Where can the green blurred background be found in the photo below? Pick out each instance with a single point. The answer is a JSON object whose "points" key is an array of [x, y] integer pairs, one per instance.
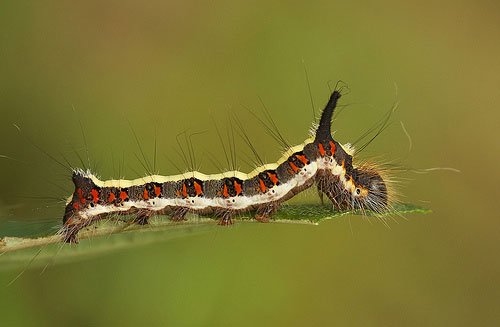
{"points": [[167, 67]]}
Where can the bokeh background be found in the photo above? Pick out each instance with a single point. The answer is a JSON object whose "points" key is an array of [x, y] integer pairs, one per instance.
{"points": [[166, 67]]}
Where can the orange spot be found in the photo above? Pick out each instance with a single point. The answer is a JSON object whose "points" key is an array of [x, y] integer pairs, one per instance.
{"points": [[76, 205], [321, 149], [197, 188], [95, 195], [184, 191], [157, 191], [273, 178], [112, 197], [332, 146], [294, 168], [237, 187], [123, 195], [263, 187], [225, 192], [145, 194], [303, 159]]}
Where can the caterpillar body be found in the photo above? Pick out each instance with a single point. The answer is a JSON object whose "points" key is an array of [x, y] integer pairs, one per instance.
{"points": [[320, 159]]}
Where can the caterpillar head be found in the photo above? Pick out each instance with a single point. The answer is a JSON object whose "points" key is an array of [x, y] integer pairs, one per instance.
{"points": [[364, 189], [369, 191]]}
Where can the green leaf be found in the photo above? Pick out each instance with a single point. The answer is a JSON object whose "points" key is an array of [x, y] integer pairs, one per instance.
{"points": [[105, 236]]}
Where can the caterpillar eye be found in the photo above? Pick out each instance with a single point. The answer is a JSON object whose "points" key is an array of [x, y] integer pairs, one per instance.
{"points": [[234, 200], [192, 201]]}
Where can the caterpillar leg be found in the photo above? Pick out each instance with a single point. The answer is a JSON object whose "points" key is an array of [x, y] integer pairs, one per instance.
{"points": [[142, 218], [179, 214], [226, 218], [69, 235], [331, 186], [321, 196], [264, 212], [71, 227]]}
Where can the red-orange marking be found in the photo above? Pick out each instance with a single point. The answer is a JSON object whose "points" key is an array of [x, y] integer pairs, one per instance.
{"points": [[95, 195], [333, 147], [197, 188], [237, 187], [184, 191], [145, 194], [263, 187], [112, 197], [302, 158], [123, 195], [157, 190], [225, 192], [76, 205], [321, 149], [273, 178], [294, 168]]}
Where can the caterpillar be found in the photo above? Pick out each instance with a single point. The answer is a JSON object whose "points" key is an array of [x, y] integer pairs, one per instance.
{"points": [[319, 160]]}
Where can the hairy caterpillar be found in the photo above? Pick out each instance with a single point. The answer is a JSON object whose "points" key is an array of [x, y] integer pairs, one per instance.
{"points": [[320, 160]]}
